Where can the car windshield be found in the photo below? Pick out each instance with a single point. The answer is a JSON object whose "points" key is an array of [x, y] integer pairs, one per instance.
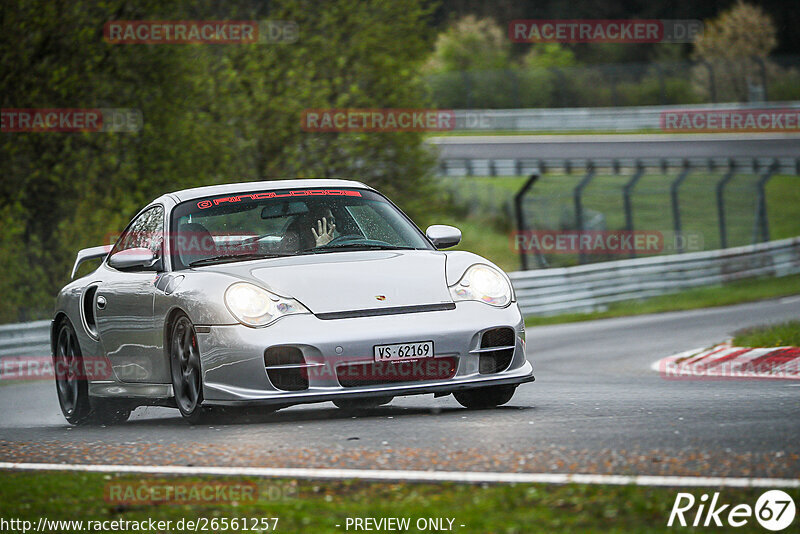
{"points": [[285, 223]]}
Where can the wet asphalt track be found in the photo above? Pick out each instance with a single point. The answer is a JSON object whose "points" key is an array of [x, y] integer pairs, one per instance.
{"points": [[596, 407]]}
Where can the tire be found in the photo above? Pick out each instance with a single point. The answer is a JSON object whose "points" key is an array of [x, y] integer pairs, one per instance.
{"points": [[482, 398], [72, 385], [187, 378], [362, 404]]}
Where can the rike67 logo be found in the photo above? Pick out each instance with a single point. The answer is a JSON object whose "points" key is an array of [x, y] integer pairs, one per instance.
{"points": [[774, 510]]}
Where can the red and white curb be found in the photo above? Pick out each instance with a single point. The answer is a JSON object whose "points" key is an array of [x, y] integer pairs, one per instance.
{"points": [[726, 362]]}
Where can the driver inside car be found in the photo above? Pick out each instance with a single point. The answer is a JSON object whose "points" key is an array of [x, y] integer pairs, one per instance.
{"points": [[325, 227], [313, 229]]}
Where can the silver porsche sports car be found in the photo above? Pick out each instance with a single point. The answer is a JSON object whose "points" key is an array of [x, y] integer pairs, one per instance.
{"points": [[270, 294]]}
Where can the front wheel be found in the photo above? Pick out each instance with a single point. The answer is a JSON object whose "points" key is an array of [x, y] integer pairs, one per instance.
{"points": [[482, 398], [187, 382]]}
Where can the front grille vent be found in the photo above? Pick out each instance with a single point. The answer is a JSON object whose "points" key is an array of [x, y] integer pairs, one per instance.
{"points": [[500, 345], [286, 368], [379, 373]]}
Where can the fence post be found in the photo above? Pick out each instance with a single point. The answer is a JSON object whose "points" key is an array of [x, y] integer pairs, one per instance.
{"points": [[576, 197], [627, 189], [676, 209], [515, 84], [614, 92], [467, 88], [662, 88], [761, 224], [763, 69], [712, 86], [723, 231], [454, 189], [562, 82], [474, 202], [519, 199]]}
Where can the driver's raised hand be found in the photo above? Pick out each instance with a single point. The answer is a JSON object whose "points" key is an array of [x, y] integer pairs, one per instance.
{"points": [[323, 234]]}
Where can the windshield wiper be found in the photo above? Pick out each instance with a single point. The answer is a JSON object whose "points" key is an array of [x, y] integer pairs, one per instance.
{"points": [[356, 246], [234, 257]]}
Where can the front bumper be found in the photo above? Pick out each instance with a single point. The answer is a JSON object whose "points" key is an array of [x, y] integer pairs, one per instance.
{"points": [[234, 370]]}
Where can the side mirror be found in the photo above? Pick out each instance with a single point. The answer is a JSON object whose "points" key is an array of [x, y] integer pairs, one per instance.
{"points": [[443, 236], [142, 258]]}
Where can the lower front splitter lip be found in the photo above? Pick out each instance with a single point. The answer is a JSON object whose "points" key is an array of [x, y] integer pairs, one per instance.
{"points": [[303, 397]]}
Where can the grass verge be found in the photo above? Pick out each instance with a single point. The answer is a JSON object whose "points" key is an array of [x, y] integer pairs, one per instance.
{"points": [[705, 297], [309, 506], [774, 335]]}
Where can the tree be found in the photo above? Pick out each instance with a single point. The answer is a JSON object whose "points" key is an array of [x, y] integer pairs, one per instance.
{"points": [[350, 54], [736, 45], [470, 66], [470, 44], [541, 74], [212, 114]]}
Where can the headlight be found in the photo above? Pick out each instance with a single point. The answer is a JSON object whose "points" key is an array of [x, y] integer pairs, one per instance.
{"points": [[485, 284], [254, 306]]}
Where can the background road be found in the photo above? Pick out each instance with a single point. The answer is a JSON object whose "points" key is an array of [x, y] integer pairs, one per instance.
{"points": [[619, 146], [596, 407]]}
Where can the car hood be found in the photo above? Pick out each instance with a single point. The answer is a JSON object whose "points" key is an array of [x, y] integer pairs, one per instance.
{"points": [[348, 281]]}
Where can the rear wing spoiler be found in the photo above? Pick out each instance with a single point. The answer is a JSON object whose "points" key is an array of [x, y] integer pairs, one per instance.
{"points": [[90, 254]]}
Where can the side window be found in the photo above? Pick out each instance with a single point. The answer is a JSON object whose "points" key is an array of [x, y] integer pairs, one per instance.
{"points": [[146, 231]]}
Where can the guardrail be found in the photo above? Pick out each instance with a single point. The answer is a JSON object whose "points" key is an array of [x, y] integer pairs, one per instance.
{"points": [[592, 287], [569, 289], [25, 339], [615, 119]]}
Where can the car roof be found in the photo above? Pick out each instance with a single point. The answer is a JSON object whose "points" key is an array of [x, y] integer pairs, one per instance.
{"points": [[244, 187]]}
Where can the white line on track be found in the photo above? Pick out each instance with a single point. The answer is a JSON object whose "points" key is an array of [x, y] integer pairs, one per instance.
{"points": [[471, 477]]}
